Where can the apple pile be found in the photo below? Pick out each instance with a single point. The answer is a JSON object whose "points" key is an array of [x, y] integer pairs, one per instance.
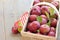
{"points": [[55, 3], [17, 27], [42, 20]]}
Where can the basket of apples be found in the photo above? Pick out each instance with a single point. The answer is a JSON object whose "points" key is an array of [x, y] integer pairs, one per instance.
{"points": [[42, 23]]}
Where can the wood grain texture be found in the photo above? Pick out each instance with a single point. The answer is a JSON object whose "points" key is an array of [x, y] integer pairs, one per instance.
{"points": [[2, 31], [12, 11]]}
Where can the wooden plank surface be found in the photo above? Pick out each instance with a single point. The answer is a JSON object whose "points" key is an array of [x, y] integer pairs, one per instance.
{"points": [[10, 17], [2, 31], [12, 10]]}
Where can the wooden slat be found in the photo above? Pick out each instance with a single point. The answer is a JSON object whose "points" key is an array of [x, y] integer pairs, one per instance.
{"points": [[2, 31], [12, 11], [10, 17]]}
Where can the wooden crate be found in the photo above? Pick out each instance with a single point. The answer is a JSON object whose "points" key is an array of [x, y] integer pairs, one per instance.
{"points": [[31, 36], [46, 0]]}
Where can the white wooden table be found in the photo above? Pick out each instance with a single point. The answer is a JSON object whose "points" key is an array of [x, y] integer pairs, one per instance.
{"points": [[10, 10]]}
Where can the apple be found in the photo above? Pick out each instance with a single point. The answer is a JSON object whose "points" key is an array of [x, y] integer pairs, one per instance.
{"points": [[35, 10], [18, 24], [32, 18], [44, 16], [14, 30], [56, 4], [53, 29], [53, 22], [36, 1], [51, 33], [44, 29], [44, 8], [44, 21], [33, 26]]}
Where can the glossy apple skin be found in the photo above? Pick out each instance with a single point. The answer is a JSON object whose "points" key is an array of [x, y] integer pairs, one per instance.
{"points": [[53, 22], [44, 29], [16, 23], [14, 30], [44, 21], [43, 9], [36, 1], [44, 16], [56, 16], [56, 4], [32, 18], [35, 11], [33, 26], [53, 29], [51, 33]]}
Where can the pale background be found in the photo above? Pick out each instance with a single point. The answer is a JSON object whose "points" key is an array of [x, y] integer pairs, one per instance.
{"points": [[10, 10]]}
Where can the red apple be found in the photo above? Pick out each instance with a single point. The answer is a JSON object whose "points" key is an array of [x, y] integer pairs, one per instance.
{"points": [[14, 30], [56, 15], [35, 10], [43, 16], [18, 24], [44, 21], [53, 29], [56, 4], [51, 33], [32, 18], [33, 26], [44, 29], [53, 22], [44, 8], [36, 1]]}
